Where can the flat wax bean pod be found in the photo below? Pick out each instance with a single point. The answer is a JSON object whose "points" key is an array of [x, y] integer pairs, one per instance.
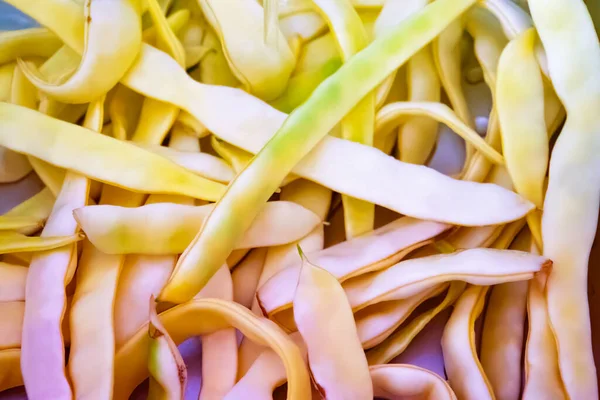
{"points": [[87, 153], [32, 42], [371, 252], [263, 67], [10, 373], [13, 242], [399, 340], [375, 323], [168, 374], [325, 321], [465, 374], [408, 381], [502, 339], [20, 223], [207, 316], [105, 50], [571, 203], [169, 228], [91, 317], [142, 276], [412, 276], [542, 374], [265, 374], [12, 282], [358, 124], [43, 355], [12, 323], [520, 104], [418, 136], [389, 115]]}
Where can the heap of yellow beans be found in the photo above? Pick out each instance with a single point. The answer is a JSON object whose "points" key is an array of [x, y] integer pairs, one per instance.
{"points": [[209, 167]]}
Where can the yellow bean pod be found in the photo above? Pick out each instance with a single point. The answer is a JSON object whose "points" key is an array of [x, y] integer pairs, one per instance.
{"points": [[502, 340], [109, 47], [169, 228], [324, 318], [418, 136], [571, 204], [141, 277], [78, 149], [32, 42], [465, 374], [13, 242], [520, 104], [49, 273], [20, 223], [37, 206], [168, 374], [542, 374]]}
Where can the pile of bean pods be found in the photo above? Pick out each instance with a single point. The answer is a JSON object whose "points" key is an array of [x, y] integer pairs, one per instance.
{"points": [[221, 170]]}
